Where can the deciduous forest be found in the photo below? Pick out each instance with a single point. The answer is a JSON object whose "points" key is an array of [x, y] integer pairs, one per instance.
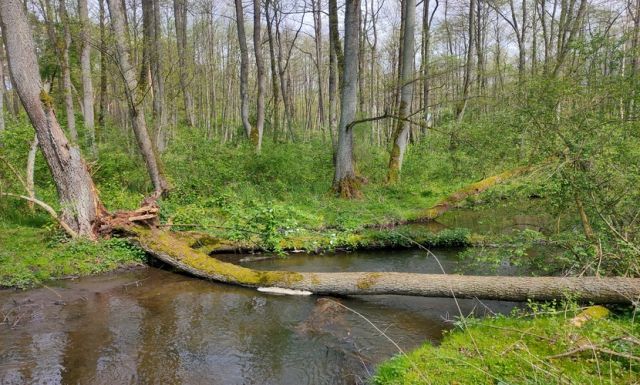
{"points": [[421, 191]]}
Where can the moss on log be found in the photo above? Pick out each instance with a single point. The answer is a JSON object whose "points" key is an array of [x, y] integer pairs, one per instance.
{"points": [[176, 252], [458, 196]]}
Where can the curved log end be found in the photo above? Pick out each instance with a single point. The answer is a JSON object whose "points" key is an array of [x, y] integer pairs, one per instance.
{"points": [[174, 251]]}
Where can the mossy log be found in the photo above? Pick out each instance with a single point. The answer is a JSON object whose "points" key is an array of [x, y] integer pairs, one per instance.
{"points": [[175, 251], [458, 196]]}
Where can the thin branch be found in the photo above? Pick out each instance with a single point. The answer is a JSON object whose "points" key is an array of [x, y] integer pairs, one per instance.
{"points": [[48, 209]]}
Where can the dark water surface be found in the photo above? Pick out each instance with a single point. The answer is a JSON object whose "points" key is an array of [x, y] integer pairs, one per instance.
{"points": [[150, 326]]}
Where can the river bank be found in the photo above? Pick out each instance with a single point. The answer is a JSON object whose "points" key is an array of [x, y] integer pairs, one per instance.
{"points": [[543, 345]]}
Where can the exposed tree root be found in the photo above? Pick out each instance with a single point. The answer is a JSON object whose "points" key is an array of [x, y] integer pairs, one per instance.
{"points": [[348, 188]]}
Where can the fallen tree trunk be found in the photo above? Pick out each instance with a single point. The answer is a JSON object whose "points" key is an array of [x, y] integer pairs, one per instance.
{"points": [[176, 252], [450, 201]]}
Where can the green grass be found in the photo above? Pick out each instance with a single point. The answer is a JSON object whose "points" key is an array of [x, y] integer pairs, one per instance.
{"points": [[31, 256], [516, 350]]}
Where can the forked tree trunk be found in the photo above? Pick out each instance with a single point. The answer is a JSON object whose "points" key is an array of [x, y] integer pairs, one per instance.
{"points": [[244, 69], [135, 100], [81, 207], [401, 132], [256, 133], [177, 253], [85, 66], [345, 181]]}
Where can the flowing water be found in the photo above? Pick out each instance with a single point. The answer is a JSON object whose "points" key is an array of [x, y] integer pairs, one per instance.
{"points": [[150, 326]]}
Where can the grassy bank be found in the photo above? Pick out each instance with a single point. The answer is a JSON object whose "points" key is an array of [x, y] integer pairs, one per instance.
{"points": [[30, 256], [545, 348]]}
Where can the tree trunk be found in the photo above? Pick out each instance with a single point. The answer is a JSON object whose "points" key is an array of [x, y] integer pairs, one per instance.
{"points": [[334, 36], [180, 16], [285, 84], [81, 207], [85, 65], [345, 182], [244, 69], [333, 82], [462, 105], [2, 92], [275, 116], [426, 56], [177, 253], [66, 74], [401, 132], [134, 100], [157, 81], [256, 134], [31, 167], [103, 65], [317, 27]]}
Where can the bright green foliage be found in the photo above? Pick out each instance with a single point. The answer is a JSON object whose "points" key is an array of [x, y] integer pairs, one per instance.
{"points": [[517, 350], [31, 256]]}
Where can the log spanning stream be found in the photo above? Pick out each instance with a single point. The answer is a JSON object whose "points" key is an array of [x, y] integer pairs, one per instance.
{"points": [[152, 326]]}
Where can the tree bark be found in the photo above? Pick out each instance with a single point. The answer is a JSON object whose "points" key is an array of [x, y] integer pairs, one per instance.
{"points": [[177, 253], [180, 17], [134, 100], [256, 133], [345, 181], [244, 69], [81, 207], [401, 132], [85, 65]]}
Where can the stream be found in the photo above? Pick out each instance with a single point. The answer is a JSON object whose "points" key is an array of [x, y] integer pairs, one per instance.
{"points": [[151, 326]]}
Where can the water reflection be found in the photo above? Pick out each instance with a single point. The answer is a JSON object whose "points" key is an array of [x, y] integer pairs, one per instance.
{"points": [[155, 327]]}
